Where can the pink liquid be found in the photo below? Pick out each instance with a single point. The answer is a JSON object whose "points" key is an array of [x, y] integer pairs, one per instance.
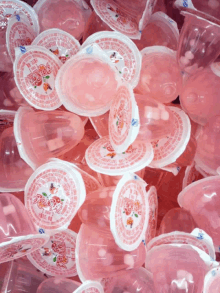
{"points": [[100, 123], [5, 60]]}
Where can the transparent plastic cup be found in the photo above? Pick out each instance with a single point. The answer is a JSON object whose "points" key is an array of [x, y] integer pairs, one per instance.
{"points": [[200, 95], [100, 124], [14, 171], [199, 43], [160, 74], [212, 281], [18, 235], [70, 16], [177, 219], [98, 256], [43, 135]]}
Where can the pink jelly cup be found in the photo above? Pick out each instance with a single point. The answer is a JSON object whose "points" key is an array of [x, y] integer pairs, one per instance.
{"points": [[6, 119], [70, 16], [177, 219], [43, 135], [61, 285], [18, 235], [200, 95], [160, 74], [102, 158], [14, 171], [60, 43], [160, 31], [122, 52], [191, 175], [53, 195], [204, 209], [100, 124], [180, 271], [139, 280], [87, 83], [18, 274], [199, 43], [137, 117], [98, 256], [207, 154], [212, 281], [122, 210], [57, 256]]}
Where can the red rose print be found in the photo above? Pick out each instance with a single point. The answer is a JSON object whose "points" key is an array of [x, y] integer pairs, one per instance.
{"points": [[137, 207], [128, 206], [59, 247], [130, 221], [62, 261]]}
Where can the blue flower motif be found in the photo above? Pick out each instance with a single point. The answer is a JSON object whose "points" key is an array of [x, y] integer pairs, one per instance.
{"points": [[134, 122], [213, 273], [23, 49], [89, 50], [41, 231], [18, 17]]}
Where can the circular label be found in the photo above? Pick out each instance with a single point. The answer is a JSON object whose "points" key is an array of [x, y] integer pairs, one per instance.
{"points": [[35, 73], [122, 52], [102, 158], [10, 8], [20, 34], [52, 197], [20, 248], [153, 213], [168, 149], [60, 43], [129, 214], [57, 256], [116, 18]]}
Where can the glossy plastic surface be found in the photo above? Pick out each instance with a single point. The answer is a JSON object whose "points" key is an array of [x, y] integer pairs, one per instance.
{"points": [[58, 285]]}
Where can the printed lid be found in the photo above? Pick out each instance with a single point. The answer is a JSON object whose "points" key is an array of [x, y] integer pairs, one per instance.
{"points": [[90, 287], [19, 33], [215, 67], [53, 195], [57, 256], [35, 70], [123, 53], [116, 19], [150, 4], [153, 213], [60, 43], [129, 213], [168, 149], [101, 157], [124, 121], [212, 281], [197, 238], [21, 246], [10, 8]]}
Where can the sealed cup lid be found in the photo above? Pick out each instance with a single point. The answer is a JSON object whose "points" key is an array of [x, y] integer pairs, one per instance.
{"points": [[57, 256], [116, 19], [212, 281], [153, 213], [123, 53], [53, 195], [90, 287], [10, 8], [197, 238], [19, 33], [21, 246], [129, 213], [124, 122], [168, 149], [35, 70], [60, 43], [101, 157]]}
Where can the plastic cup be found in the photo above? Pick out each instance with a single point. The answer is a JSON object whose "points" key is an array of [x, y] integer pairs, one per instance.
{"points": [[98, 256], [160, 74], [177, 219], [122, 52], [212, 281], [153, 214], [70, 16], [6, 119], [14, 171], [18, 235], [43, 135], [160, 31], [87, 82], [200, 95], [191, 175], [199, 43], [201, 200], [57, 256], [53, 195], [61, 285], [60, 43], [20, 275], [100, 124], [137, 118]]}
